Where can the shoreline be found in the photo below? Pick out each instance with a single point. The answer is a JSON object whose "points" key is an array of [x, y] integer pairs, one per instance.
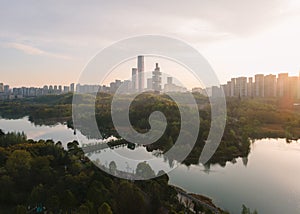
{"points": [[197, 198]]}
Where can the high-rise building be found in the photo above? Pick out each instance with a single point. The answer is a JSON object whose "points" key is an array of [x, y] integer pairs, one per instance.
{"points": [[270, 85], [216, 91], [72, 87], [50, 91], [156, 79], [232, 88], [140, 69], [1, 88], [55, 89], [6, 89], [149, 83], [134, 79], [241, 86], [259, 85], [45, 90], [282, 84], [292, 89], [66, 89], [250, 87], [226, 89]]}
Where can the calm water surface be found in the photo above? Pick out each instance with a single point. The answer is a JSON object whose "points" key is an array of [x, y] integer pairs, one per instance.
{"points": [[269, 180]]}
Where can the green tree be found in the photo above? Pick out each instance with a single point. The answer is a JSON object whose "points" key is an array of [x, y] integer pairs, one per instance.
{"points": [[19, 163], [144, 170], [105, 209]]}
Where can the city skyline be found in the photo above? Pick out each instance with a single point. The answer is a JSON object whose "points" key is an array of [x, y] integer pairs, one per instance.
{"points": [[260, 85], [44, 42]]}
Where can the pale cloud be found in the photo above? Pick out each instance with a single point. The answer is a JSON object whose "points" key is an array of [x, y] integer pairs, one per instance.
{"points": [[27, 49]]}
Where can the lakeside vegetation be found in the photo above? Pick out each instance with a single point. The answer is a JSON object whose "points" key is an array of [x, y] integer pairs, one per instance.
{"points": [[247, 120], [42, 176]]}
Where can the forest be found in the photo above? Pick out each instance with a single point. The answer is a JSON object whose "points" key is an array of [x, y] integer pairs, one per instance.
{"points": [[38, 176]]}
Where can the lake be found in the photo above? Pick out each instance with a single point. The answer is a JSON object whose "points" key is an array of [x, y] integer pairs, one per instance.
{"points": [[268, 180]]}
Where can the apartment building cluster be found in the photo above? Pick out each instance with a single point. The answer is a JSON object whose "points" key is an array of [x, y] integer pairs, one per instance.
{"points": [[282, 86], [19, 92]]}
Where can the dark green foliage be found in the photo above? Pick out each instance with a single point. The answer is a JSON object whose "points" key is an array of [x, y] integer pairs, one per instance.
{"points": [[44, 175]]}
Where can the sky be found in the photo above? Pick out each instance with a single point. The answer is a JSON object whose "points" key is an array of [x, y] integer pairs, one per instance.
{"points": [[50, 42]]}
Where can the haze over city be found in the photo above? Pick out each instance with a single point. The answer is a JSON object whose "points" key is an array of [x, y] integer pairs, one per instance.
{"points": [[47, 42]]}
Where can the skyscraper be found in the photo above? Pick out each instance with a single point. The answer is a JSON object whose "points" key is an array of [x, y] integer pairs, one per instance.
{"points": [[134, 79], [140, 69], [156, 79]]}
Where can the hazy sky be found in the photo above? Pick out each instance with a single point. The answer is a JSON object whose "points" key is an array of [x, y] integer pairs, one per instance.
{"points": [[50, 42]]}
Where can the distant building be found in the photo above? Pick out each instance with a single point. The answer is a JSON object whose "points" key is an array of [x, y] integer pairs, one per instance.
{"points": [[45, 90], [241, 87], [66, 89], [216, 91], [233, 91], [199, 90], [171, 87], [115, 85], [1, 88], [293, 86], [156, 79], [51, 90], [6, 89], [140, 70], [250, 86], [134, 79], [149, 83], [259, 85], [72, 87], [270, 85], [282, 84]]}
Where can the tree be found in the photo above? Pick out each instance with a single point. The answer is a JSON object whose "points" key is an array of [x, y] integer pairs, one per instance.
{"points": [[1, 133], [83, 209], [38, 195], [18, 165], [68, 201], [104, 209], [112, 167], [130, 199], [20, 209], [144, 170]]}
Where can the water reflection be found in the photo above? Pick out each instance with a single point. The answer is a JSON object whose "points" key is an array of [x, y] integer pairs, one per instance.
{"points": [[266, 180]]}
